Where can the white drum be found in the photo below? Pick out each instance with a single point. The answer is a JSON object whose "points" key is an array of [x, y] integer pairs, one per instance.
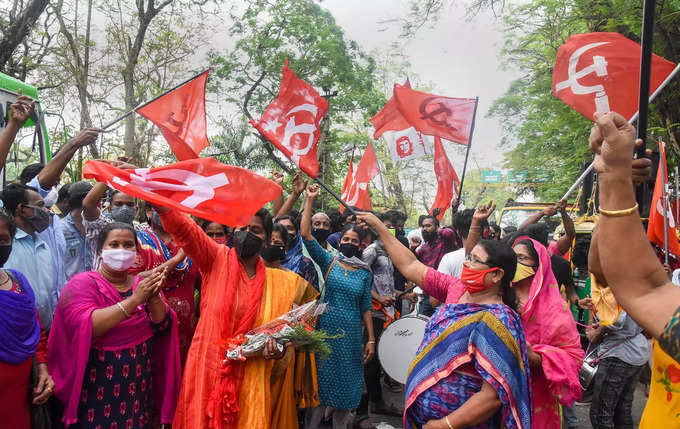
{"points": [[399, 343]]}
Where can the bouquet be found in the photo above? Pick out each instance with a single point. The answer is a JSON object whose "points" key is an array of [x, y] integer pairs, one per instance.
{"points": [[291, 327]]}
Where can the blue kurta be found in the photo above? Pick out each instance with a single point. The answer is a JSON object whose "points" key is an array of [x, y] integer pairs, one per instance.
{"points": [[348, 294]]}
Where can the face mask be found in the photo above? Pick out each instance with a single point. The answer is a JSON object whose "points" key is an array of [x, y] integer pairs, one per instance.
{"points": [[51, 198], [156, 219], [5, 250], [41, 218], [123, 214], [399, 232], [291, 240], [349, 250], [118, 259], [474, 279], [321, 235], [522, 272], [220, 240], [428, 236], [273, 253], [246, 244]]}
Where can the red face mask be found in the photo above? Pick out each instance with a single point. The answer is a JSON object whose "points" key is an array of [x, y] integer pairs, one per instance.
{"points": [[474, 279], [220, 240]]}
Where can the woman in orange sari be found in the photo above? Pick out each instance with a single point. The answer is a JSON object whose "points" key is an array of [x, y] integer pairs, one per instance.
{"points": [[238, 294]]}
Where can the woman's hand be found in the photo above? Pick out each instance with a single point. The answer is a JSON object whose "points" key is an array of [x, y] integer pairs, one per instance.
{"points": [[436, 424], [483, 212], [45, 387], [149, 287], [535, 360], [585, 303], [369, 351], [313, 191], [271, 350]]}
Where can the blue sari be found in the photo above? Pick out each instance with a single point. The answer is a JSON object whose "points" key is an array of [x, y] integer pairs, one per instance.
{"points": [[463, 346]]}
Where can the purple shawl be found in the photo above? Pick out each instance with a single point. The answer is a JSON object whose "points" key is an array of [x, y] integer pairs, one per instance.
{"points": [[71, 339], [19, 327]]}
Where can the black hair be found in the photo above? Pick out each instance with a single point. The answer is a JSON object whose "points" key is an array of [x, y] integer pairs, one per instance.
{"points": [[336, 219], [352, 227], [77, 193], [462, 221], [104, 233], [277, 227], [7, 217], [206, 222], [29, 172], [579, 256], [496, 229], [537, 231], [346, 214], [422, 219], [532, 250], [289, 217], [502, 256], [266, 219], [395, 216], [15, 194], [510, 230], [62, 195]]}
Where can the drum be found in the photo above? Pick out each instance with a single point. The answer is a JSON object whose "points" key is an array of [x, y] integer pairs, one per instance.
{"points": [[399, 343]]}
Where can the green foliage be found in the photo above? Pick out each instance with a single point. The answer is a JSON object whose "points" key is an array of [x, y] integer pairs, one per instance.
{"points": [[543, 132]]}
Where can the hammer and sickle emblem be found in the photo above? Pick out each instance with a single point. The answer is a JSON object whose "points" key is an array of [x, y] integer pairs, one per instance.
{"points": [[599, 67], [176, 122], [438, 116], [353, 192], [305, 128], [202, 188]]}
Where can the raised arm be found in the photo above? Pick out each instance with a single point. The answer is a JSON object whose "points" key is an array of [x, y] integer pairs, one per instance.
{"points": [[482, 213], [403, 259], [306, 221], [564, 243], [49, 176], [91, 201], [620, 249], [547, 212], [20, 110], [299, 186], [277, 178]]}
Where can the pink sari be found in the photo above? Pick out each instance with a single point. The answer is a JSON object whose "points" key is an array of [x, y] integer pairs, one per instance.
{"points": [[550, 329], [71, 339]]}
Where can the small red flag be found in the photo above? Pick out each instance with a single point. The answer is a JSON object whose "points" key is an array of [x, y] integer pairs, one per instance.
{"points": [[447, 179], [357, 193], [601, 72], [389, 118], [202, 187], [292, 121], [347, 184], [180, 115], [656, 218], [446, 117]]}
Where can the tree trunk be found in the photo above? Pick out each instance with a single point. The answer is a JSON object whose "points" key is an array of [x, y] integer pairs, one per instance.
{"points": [[18, 29]]}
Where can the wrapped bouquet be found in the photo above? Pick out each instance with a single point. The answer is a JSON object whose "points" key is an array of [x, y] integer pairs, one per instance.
{"points": [[292, 327]]}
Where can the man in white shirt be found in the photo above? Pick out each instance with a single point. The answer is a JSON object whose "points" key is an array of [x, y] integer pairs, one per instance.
{"points": [[452, 262]]}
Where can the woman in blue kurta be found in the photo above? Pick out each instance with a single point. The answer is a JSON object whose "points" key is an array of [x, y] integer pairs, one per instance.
{"points": [[348, 294]]}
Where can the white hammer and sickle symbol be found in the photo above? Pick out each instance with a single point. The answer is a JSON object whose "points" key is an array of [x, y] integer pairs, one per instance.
{"points": [[599, 67], [292, 128]]}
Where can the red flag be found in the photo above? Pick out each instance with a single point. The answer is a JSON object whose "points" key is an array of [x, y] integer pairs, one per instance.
{"points": [[348, 181], [357, 193], [601, 72], [656, 218], [292, 121], [202, 187], [389, 118], [447, 179], [180, 115], [432, 115]]}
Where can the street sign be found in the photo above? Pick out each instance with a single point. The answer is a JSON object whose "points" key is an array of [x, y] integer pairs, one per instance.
{"points": [[492, 176], [519, 176]]}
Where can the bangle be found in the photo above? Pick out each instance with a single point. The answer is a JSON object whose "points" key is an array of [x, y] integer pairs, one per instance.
{"points": [[448, 422], [370, 342], [127, 315], [619, 213]]}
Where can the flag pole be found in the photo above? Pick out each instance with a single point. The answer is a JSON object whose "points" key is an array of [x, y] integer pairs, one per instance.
{"points": [[130, 112], [578, 181], [677, 196], [467, 151], [664, 194]]}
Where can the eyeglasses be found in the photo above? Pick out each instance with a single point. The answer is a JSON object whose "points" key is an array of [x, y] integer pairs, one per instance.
{"points": [[474, 260]]}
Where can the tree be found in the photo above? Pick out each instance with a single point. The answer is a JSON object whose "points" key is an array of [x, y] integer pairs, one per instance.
{"points": [[16, 24], [543, 132]]}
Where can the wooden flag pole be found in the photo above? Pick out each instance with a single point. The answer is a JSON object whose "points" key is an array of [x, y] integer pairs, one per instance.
{"points": [[467, 151]]}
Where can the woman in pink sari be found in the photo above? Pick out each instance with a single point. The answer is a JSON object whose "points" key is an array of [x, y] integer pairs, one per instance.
{"points": [[113, 345], [555, 353]]}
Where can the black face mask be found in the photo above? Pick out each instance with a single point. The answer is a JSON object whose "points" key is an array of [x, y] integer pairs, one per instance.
{"points": [[321, 235], [399, 232], [41, 218], [5, 250], [349, 250], [246, 244], [428, 236], [273, 253]]}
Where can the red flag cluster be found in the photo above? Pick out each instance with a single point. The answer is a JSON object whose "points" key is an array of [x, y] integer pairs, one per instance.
{"points": [[355, 189], [655, 229], [202, 187], [600, 72]]}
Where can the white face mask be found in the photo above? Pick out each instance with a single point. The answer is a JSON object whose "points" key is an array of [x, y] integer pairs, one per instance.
{"points": [[118, 259]]}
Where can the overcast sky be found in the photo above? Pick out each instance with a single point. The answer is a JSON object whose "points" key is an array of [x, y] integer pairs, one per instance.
{"points": [[459, 56]]}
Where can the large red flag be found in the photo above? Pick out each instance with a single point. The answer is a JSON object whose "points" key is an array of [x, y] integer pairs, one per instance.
{"points": [[446, 117], [357, 193], [180, 115], [389, 118], [656, 218], [601, 72], [292, 121], [447, 179], [202, 187]]}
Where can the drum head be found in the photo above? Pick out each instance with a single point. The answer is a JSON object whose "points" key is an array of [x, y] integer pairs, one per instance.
{"points": [[398, 345]]}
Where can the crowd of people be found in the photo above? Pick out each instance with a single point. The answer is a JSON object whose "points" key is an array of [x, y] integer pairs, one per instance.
{"points": [[115, 313]]}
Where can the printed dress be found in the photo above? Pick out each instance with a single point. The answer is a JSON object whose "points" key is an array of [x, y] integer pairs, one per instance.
{"points": [[117, 385], [348, 294]]}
